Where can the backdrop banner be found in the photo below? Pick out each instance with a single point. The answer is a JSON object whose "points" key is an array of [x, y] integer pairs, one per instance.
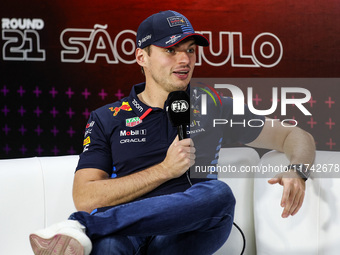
{"points": [[60, 60]]}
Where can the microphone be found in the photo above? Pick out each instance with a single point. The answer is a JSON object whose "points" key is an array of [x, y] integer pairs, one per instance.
{"points": [[178, 109]]}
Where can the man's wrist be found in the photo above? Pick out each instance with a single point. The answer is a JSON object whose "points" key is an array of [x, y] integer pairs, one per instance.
{"points": [[300, 169]]}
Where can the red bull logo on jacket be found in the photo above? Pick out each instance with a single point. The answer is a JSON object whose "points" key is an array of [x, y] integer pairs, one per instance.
{"points": [[125, 107]]}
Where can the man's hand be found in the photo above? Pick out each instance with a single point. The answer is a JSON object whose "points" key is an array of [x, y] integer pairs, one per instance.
{"points": [[293, 192], [299, 147], [180, 156]]}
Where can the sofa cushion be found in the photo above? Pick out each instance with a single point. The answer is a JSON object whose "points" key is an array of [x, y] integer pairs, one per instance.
{"points": [[315, 228], [242, 185], [58, 173]]}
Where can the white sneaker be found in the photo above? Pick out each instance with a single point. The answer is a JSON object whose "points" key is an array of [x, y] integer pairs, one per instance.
{"points": [[64, 238]]}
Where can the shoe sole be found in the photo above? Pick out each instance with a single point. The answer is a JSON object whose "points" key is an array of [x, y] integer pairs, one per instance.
{"points": [[56, 245]]}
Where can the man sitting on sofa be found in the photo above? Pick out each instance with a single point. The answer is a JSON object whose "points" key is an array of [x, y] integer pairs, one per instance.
{"points": [[135, 196]]}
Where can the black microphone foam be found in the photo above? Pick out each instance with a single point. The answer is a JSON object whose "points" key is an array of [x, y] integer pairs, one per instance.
{"points": [[178, 108]]}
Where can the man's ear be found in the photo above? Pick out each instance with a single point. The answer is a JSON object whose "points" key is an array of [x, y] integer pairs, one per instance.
{"points": [[140, 56]]}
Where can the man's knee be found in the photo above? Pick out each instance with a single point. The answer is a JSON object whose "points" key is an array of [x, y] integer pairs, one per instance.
{"points": [[220, 191], [217, 196], [224, 196]]}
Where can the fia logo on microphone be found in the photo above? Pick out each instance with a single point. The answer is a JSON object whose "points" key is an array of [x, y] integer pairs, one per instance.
{"points": [[179, 106]]}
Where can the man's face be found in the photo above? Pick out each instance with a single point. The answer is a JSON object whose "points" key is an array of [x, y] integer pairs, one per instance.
{"points": [[171, 68]]}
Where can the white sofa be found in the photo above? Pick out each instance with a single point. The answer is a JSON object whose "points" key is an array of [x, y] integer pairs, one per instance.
{"points": [[37, 192]]}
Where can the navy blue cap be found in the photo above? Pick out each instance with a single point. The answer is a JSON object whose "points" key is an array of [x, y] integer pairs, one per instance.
{"points": [[166, 29]]}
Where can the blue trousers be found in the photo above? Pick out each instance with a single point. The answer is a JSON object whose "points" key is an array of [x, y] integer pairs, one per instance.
{"points": [[196, 221]]}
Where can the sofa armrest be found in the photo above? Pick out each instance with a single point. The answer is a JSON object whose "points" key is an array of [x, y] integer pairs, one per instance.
{"points": [[22, 203], [35, 193]]}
